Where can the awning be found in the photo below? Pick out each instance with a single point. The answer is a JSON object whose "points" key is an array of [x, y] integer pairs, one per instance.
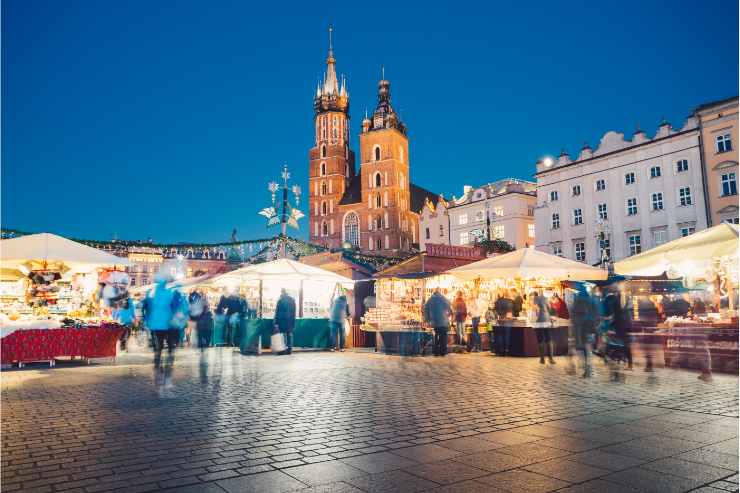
{"points": [[282, 270]]}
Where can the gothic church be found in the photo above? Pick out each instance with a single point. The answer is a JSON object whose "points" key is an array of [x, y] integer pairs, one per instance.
{"points": [[375, 210]]}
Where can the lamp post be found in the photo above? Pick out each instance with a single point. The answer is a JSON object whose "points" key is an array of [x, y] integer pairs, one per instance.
{"points": [[288, 215]]}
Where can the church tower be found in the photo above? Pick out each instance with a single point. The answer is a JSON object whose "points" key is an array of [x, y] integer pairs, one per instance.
{"points": [[384, 170], [331, 162]]}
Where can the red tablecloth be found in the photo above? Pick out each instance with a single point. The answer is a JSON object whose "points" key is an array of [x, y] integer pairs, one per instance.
{"points": [[47, 344]]}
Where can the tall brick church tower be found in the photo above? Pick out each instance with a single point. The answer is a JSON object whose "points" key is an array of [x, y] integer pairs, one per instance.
{"points": [[377, 210], [332, 163]]}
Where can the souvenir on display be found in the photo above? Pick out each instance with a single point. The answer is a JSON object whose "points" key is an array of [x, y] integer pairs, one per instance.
{"points": [[113, 288], [43, 289]]}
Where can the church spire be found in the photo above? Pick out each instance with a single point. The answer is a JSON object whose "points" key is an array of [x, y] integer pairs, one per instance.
{"points": [[331, 85], [331, 95]]}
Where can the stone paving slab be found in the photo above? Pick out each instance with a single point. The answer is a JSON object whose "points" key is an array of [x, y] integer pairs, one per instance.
{"points": [[349, 422]]}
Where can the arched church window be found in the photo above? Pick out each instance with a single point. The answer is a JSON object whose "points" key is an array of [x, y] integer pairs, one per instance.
{"points": [[378, 181], [352, 229], [377, 154], [323, 169], [323, 151], [377, 244], [323, 188], [324, 229], [323, 208], [377, 200]]}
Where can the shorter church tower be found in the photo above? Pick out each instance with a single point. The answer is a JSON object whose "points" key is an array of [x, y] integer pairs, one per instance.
{"points": [[331, 161], [384, 171]]}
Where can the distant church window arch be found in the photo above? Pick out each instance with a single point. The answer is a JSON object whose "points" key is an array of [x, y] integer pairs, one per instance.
{"points": [[378, 179], [376, 153], [352, 229], [323, 169], [324, 228], [323, 151], [323, 208], [377, 201], [323, 188], [377, 244]]}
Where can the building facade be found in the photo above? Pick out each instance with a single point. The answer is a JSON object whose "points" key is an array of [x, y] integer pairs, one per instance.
{"points": [[502, 210], [624, 197], [376, 209], [718, 122], [434, 223]]}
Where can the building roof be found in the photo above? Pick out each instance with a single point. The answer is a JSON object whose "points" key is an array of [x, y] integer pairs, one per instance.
{"points": [[712, 104], [353, 192], [419, 196]]}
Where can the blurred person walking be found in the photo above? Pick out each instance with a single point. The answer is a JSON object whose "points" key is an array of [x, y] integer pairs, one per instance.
{"points": [[201, 314], [460, 310], [543, 327], [518, 303], [234, 309], [584, 318], [159, 307], [477, 306], [338, 315], [437, 313], [285, 319], [125, 314]]}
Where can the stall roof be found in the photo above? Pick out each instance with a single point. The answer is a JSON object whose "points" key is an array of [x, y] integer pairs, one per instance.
{"points": [[52, 248], [282, 269], [528, 263], [421, 266], [688, 255]]}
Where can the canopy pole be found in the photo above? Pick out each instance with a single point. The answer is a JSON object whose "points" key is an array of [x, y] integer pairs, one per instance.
{"points": [[300, 301], [259, 315]]}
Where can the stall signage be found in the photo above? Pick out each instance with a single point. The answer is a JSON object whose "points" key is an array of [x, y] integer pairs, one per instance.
{"points": [[454, 251]]}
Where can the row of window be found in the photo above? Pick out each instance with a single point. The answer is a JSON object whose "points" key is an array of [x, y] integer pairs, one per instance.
{"points": [[480, 215], [629, 179], [684, 199], [428, 233], [634, 244]]}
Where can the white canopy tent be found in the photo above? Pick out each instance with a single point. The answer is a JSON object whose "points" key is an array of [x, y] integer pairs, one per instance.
{"points": [[282, 269], [47, 247], [316, 283], [528, 263], [685, 257]]}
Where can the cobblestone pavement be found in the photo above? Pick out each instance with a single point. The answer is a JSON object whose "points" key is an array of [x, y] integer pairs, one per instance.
{"points": [[354, 422]]}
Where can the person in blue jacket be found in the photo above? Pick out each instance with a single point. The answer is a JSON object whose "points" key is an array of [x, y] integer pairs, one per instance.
{"points": [[338, 313], [159, 308], [125, 315]]}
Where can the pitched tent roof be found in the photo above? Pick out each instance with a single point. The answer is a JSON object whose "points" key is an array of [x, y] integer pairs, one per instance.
{"points": [[283, 269], [691, 254], [528, 263], [52, 248]]}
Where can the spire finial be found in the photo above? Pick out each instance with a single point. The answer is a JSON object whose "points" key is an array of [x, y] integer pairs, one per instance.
{"points": [[382, 72], [330, 31]]}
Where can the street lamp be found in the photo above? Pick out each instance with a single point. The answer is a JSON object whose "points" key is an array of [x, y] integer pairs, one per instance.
{"points": [[603, 237], [283, 213]]}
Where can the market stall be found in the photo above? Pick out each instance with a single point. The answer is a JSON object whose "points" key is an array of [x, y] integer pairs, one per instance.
{"points": [[261, 285], [51, 293], [401, 291], [695, 322], [524, 271]]}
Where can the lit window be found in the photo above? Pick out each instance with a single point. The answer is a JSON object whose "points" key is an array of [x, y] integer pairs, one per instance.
{"points": [[729, 184], [530, 230], [660, 236], [498, 211], [687, 230], [464, 238], [724, 143], [629, 178], [682, 165], [530, 211], [577, 217], [634, 243], [576, 190], [580, 248], [479, 216], [428, 234], [657, 200], [553, 196], [498, 232], [463, 219], [557, 249], [655, 172], [601, 209], [684, 196], [556, 221], [605, 248], [632, 207], [600, 185]]}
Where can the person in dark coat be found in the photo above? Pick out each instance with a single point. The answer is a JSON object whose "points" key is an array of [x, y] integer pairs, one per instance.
{"points": [[201, 314], [285, 318], [460, 310], [584, 316], [518, 303], [234, 307], [504, 307], [437, 313], [338, 315], [623, 326]]}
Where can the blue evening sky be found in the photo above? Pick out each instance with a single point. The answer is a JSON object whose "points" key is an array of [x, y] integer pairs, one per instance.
{"points": [[168, 118]]}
